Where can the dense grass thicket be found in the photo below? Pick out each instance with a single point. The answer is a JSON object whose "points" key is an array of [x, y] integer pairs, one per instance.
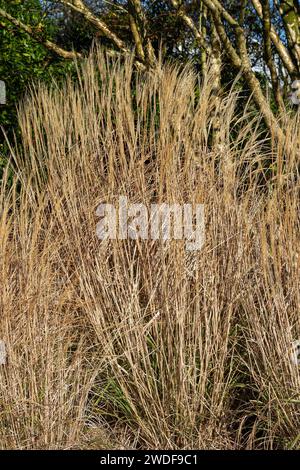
{"points": [[142, 344]]}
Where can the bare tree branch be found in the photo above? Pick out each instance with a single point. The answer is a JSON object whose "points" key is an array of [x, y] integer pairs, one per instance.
{"points": [[240, 59], [291, 21], [80, 7], [140, 29], [137, 37], [268, 53], [280, 47], [36, 34], [181, 12]]}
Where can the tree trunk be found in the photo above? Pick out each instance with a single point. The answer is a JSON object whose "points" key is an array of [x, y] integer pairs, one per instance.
{"points": [[215, 63], [290, 16]]}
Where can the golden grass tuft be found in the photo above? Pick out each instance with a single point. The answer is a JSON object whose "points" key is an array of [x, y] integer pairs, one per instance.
{"points": [[141, 344]]}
